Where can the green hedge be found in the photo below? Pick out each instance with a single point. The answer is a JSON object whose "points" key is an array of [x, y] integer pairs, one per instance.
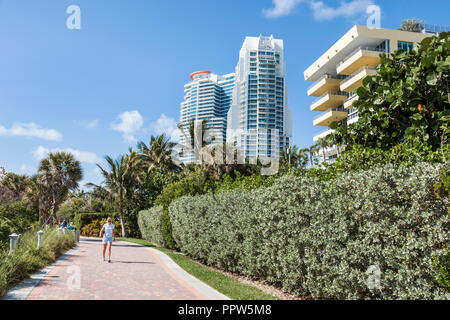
{"points": [[150, 225], [320, 239], [84, 218]]}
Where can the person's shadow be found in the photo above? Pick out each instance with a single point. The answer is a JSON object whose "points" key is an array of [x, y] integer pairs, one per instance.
{"points": [[132, 262]]}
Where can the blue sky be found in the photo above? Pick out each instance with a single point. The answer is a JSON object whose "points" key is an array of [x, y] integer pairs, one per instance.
{"points": [[119, 79]]}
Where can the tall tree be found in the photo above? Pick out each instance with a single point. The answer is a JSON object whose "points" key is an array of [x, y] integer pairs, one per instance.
{"points": [[158, 154], [40, 196], [312, 151], [120, 180], [197, 130], [59, 173], [323, 144]]}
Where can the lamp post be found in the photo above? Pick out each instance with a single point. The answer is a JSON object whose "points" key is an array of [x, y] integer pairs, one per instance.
{"points": [[40, 235], [288, 150], [13, 242]]}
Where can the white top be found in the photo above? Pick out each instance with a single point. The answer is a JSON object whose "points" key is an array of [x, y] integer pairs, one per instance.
{"points": [[109, 230]]}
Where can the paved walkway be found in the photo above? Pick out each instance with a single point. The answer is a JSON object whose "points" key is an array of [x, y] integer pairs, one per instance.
{"points": [[135, 273]]}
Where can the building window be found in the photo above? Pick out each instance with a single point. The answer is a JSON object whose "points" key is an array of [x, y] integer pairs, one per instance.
{"points": [[405, 46]]}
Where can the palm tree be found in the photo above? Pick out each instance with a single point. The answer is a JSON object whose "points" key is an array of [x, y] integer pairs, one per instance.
{"points": [[302, 157], [60, 173], [191, 135], [312, 151], [120, 178], [13, 184], [323, 144], [158, 154], [229, 159]]}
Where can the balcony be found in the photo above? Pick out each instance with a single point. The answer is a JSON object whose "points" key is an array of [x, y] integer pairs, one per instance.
{"points": [[356, 79], [323, 134], [326, 119], [348, 104], [362, 57], [329, 100], [326, 83]]}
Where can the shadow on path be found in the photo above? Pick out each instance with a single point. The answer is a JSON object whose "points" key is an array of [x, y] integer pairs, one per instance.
{"points": [[131, 262]]}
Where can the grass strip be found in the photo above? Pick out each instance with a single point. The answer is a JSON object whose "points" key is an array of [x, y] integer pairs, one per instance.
{"points": [[226, 285]]}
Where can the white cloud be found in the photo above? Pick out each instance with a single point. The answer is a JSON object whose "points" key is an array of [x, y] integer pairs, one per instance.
{"points": [[345, 9], [25, 169], [86, 157], [130, 123], [166, 125], [93, 124], [281, 8], [31, 130], [321, 11]]}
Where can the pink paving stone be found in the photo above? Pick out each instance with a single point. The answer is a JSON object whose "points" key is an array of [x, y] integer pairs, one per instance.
{"points": [[135, 273]]}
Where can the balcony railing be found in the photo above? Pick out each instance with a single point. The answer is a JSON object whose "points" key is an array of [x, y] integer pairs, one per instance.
{"points": [[355, 73], [323, 132], [358, 49], [327, 76], [337, 93], [351, 96], [341, 109], [428, 28]]}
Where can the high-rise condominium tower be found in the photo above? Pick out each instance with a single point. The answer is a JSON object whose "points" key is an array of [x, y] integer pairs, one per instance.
{"points": [[259, 121], [207, 97]]}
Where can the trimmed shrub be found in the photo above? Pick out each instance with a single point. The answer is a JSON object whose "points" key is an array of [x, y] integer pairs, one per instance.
{"points": [[326, 240], [150, 225], [195, 183]]}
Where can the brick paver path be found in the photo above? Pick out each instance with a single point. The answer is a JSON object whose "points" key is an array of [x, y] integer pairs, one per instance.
{"points": [[135, 273]]}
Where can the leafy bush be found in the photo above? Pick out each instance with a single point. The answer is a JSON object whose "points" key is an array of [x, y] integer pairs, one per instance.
{"points": [[319, 239], [195, 183], [243, 182], [150, 225], [27, 259], [93, 229], [406, 100], [15, 217], [442, 263], [84, 218]]}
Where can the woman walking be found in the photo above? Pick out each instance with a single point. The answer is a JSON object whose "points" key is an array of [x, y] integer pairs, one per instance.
{"points": [[108, 237]]}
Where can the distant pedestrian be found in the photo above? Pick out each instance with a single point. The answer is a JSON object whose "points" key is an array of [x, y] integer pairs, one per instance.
{"points": [[108, 238]]}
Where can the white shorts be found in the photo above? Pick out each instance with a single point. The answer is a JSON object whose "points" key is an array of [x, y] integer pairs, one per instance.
{"points": [[107, 240]]}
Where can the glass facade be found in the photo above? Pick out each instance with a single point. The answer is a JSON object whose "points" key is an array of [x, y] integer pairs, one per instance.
{"points": [[207, 97]]}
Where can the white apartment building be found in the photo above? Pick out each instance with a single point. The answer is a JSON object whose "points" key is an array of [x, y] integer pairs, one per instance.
{"points": [[342, 68], [259, 121], [207, 96]]}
